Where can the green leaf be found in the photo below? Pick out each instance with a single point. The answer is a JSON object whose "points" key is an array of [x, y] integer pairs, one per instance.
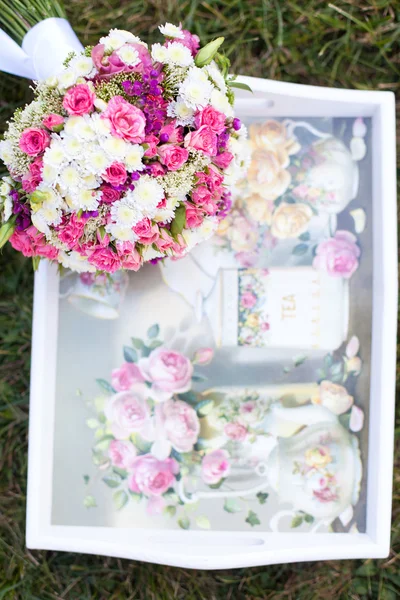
{"points": [[92, 423], [231, 505], [328, 360], [155, 344], [130, 355], [139, 344], [204, 407], [308, 518], [252, 519], [112, 483], [179, 220], [184, 522], [296, 521], [176, 455], [120, 499], [262, 497], [207, 53], [305, 237], [107, 387], [142, 445], [36, 262], [122, 473], [170, 511], [189, 397], [104, 442], [240, 86], [300, 249], [86, 479], [203, 522], [6, 230], [89, 502], [198, 377], [153, 331], [299, 360]]}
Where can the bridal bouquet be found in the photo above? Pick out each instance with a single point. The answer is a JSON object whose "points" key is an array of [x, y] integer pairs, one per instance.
{"points": [[125, 156]]}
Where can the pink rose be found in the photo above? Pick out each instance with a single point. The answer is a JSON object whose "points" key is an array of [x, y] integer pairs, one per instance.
{"points": [[151, 476], [215, 466], [34, 141], [41, 247], [203, 139], [249, 411], [338, 256], [152, 141], [248, 300], [71, 231], [211, 117], [246, 259], [201, 195], [146, 232], [79, 100], [191, 41], [122, 454], [128, 412], [129, 256], [165, 242], [169, 371], [115, 174], [203, 356], [53, 121], [104, 259], [181, 425], [107, 66], [127, 121], [235, 431], [155, 505], [109, 194], [173, 157], [156, 169], [174, 133], [21, 241], [124, 377], [194, 216], [223, 160], [31, 180]]}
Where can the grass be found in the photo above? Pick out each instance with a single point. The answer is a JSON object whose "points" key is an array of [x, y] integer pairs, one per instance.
{"points": [[352, 43]]}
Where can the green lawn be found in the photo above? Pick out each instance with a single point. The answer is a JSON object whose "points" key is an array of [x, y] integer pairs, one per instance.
{"points": [[353, 43]]}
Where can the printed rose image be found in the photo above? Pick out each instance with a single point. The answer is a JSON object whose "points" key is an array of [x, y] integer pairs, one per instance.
{"points": [[267, 175], [124, 377], [215, 466], [290, 220], [259, 209], [249, 411], [248, 300], [169, 371], [122, 454], [241, 234], [334, 397], [151, 476], [203, 356], [318, 457], [181, 425], [235, 431], [273, 135], [129, 412], [338, 255]]}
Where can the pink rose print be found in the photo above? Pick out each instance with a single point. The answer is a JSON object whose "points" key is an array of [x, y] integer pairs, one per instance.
{"points": [[127, 121], [339, 255], [235, 431], [128, 412], [203, 356], [79, 100], [215, 466], [155, 505], [169, 371], [34, 141], [248, 300], [122, 454], [151, 476], [181, 425], [124, 377]]}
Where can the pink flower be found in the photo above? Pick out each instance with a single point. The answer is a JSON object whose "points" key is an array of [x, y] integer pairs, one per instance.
{"points": [[215, 466], [109, 65], [53, 121], [249, 411], [173, 157], [338, 255], [151, 140], [325, 495], [124, 377], [41, 247], [146, 232], [156, 169], [71, 231], [223, 160], [155, 505], [129, 256], [34, 141], [203, 139], [248, 300], [122, 454], [115, 174], [194, 216], [169, 371], [21, 241], [211, 117], [105, 260], [174, 133], [151, 476], [265, 326], [181, 425], [203, 356], [109, 194], [202, 196], [79, 100], [235, 431], [191, 41], [31, 180], [128, 412], [246, 259], [127, 121], [165, 241]]}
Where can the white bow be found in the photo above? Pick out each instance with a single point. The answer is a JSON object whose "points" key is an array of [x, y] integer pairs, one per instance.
{"points": [[43, 51]]}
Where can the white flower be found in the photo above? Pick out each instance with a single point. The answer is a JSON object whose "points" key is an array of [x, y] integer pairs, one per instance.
{"points": [[196, 90], [5, 186], [96, 160], [172, 31], [84, 199], [6, 151], [49, 174], [83, 129], [70, 177], [178, 54], [133, 158], [114, 40], [83, 66], [72, 146], [149, 253], [90, 181], [147, 194], [76, 262], [216, 76], [129, 55], [100, 104], [124, 214], [220, 102], [159, 53], [40, 222], [7, 208], [48, 213], [167, 213], [184, 114], [116, 148], [67, 78], [102, 127], [54, 156], [121, 233]]}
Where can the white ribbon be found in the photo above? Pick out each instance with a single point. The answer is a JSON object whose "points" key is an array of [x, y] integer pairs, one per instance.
{"points": [[43, 51]]}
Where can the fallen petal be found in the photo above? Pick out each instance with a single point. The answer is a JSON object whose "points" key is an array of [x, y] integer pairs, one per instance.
{"points": [[352, 347], [356, 419], [358, 148], [346, 516], [360, 219], [359, 128]]}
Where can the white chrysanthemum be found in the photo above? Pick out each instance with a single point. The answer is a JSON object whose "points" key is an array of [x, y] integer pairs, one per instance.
{"points": [[76, 262], [83, 66], [125, 214], [7, 208], [149, 253], [171, 31], [194, 91], [49, 213], [183, 113], [220, 102], [5, 186], [121, 233], [84, 199], [129, 55], [96, 160], [52, 81], [83, 128], [179, 55], [6, 151], [202, 233], [70, 177], [91, 182], [147, 194], [133, 158], [100, 104], [49, 195], [101, 127], [216, 76], [115, 148], [167, 213], [54, 156], [49, 174], [159, 53], [72, 146], [67, 78]]}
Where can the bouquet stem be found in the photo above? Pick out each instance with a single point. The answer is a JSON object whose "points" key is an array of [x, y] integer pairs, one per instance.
{"points": [[18, 16]]}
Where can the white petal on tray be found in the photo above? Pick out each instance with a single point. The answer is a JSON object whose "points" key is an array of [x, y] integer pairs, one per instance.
{"points": [[346, 516], [359, 128], [360, 219], [358, 148], [356, 419], [352, 347]]}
